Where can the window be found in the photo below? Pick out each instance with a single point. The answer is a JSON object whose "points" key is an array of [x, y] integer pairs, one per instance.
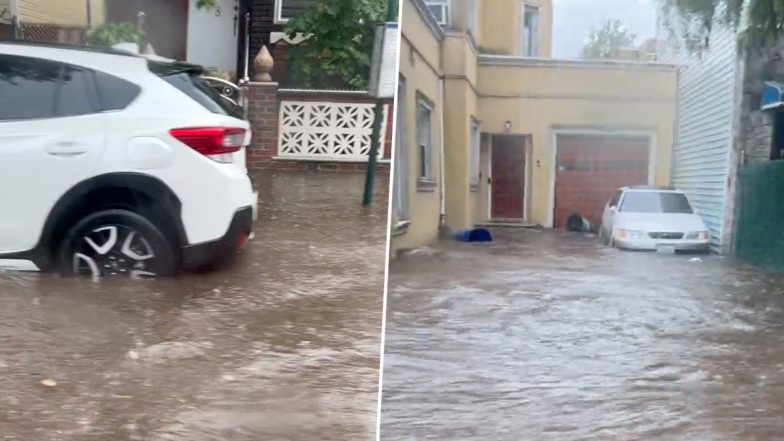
{"points": [[27, 87], [425, 141], [655, 202], [115, 93], [530, 31], [475, 151], [76, 94], [777, 140], [401, 170], [288, 9], [195, 87], [32, 88], [617, 198], [440, 10]]}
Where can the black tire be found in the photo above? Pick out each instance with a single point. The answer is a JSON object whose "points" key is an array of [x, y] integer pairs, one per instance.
{"points": [[117, 243]]}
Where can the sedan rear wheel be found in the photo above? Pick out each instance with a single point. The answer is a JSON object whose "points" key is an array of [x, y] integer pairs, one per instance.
{"points": [[117, 243]]}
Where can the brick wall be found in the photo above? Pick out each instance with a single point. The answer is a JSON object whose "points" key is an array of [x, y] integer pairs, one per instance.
{"points": [[263, 114], [262, 23], [756, 126], [263, 117], [6, 32], [280, 71]]}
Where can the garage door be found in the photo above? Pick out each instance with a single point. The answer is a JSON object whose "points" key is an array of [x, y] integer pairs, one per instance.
{"points": [[590, 168]]}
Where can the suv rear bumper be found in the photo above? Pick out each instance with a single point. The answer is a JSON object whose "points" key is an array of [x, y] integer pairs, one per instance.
{"points": [[212, 252]]}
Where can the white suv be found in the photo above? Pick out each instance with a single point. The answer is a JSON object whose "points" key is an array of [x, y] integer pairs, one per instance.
{"points": [[113, 164]]}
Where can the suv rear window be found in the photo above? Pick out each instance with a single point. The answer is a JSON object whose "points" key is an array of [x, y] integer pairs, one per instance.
{"points": [[115, 93], [654, 202], [187, 79]]}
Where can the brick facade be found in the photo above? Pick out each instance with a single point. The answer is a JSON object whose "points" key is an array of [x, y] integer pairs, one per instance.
{"points": [[263, 114], [262, 25]]}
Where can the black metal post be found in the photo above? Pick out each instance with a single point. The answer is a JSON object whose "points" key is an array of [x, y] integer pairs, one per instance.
{"points": [[378, 113]]}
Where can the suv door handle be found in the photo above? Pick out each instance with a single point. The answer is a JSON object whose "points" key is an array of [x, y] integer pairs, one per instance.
{"points": [[66, 149]]}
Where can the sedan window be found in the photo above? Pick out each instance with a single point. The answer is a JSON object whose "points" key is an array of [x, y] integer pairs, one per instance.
{"points": [[653, 202], [614, 201]]}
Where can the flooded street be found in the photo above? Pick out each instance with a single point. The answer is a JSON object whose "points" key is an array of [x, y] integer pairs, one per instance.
{"points": [[550, 336], [281, 345]]}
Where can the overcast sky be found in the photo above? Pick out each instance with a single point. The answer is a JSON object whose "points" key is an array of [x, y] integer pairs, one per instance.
{"points": [[575, 18]]}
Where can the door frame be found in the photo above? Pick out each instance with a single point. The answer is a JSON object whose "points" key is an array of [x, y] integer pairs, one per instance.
{"points": [[604, 131], [489, 174], [184, 9], [527, 171]]}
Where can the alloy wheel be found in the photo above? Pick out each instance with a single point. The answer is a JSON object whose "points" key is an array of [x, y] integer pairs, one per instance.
{"points": [[114, 251]]}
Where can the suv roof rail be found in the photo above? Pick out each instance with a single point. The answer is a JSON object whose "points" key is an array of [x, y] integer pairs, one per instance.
{"points": [[73, 47]]}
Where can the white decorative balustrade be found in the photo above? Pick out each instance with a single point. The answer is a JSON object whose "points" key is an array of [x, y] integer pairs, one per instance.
{"points": [[328, 131]]}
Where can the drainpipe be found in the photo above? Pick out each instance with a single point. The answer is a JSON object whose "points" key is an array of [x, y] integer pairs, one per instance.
{"points": [[442, 182], [246, 77], [89, 14], [14, 5]]}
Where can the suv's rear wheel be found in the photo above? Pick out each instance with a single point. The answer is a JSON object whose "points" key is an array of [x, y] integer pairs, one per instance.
{"points": [[114, 243]]}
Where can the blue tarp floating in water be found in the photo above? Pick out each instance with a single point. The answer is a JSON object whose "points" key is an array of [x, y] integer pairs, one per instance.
{"points": [[475, 235]]}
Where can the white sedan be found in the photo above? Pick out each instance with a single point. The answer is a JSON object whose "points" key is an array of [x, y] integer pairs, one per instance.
{"points": [[653, 218]]}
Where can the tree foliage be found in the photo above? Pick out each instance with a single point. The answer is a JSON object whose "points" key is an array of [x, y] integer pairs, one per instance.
{"points": [[109, 34], [338, 51], [206, 4], [695, 19], [607, 40]]}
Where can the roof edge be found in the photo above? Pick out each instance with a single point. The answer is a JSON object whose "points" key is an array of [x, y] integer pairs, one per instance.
{"points": [[510, 60], [430, 21]]}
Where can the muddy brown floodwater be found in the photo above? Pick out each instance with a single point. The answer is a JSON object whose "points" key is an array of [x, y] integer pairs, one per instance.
{"points": [[281, 345], [551, 336]]}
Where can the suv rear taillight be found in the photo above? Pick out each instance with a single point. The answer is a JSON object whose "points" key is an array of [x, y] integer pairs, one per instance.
{"points": [[211, 141]]}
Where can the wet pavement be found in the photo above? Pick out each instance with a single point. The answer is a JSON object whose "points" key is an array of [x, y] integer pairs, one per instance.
{"points": [[551, 336], [283, 344]]}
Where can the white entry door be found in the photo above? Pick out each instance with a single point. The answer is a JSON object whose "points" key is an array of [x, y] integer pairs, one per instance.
{"points": [[213, 35]]}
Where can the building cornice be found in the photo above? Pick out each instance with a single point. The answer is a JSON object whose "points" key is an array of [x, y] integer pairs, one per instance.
{"points": [[467, 36], [507, 60]]}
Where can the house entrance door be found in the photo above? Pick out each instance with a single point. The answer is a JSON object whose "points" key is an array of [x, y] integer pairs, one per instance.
{"points": [[508, 179]]}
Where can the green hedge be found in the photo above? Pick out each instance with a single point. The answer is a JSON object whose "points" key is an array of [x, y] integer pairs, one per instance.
{"points": [[759, 236]]}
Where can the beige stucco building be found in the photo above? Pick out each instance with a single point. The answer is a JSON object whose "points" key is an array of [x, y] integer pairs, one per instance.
{"points": [[54, 12], [515, 136], [418, 178]]}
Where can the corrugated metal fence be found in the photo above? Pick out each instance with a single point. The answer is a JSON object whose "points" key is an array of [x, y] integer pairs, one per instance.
{"points": [[759, 236], [706, 110], [705, 120]]}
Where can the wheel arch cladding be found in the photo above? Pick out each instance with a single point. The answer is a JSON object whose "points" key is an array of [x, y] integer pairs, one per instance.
{"points": [[144, 194]]}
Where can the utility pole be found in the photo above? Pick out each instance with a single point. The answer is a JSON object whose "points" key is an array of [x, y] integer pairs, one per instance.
{"points": [[378, 114]]}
